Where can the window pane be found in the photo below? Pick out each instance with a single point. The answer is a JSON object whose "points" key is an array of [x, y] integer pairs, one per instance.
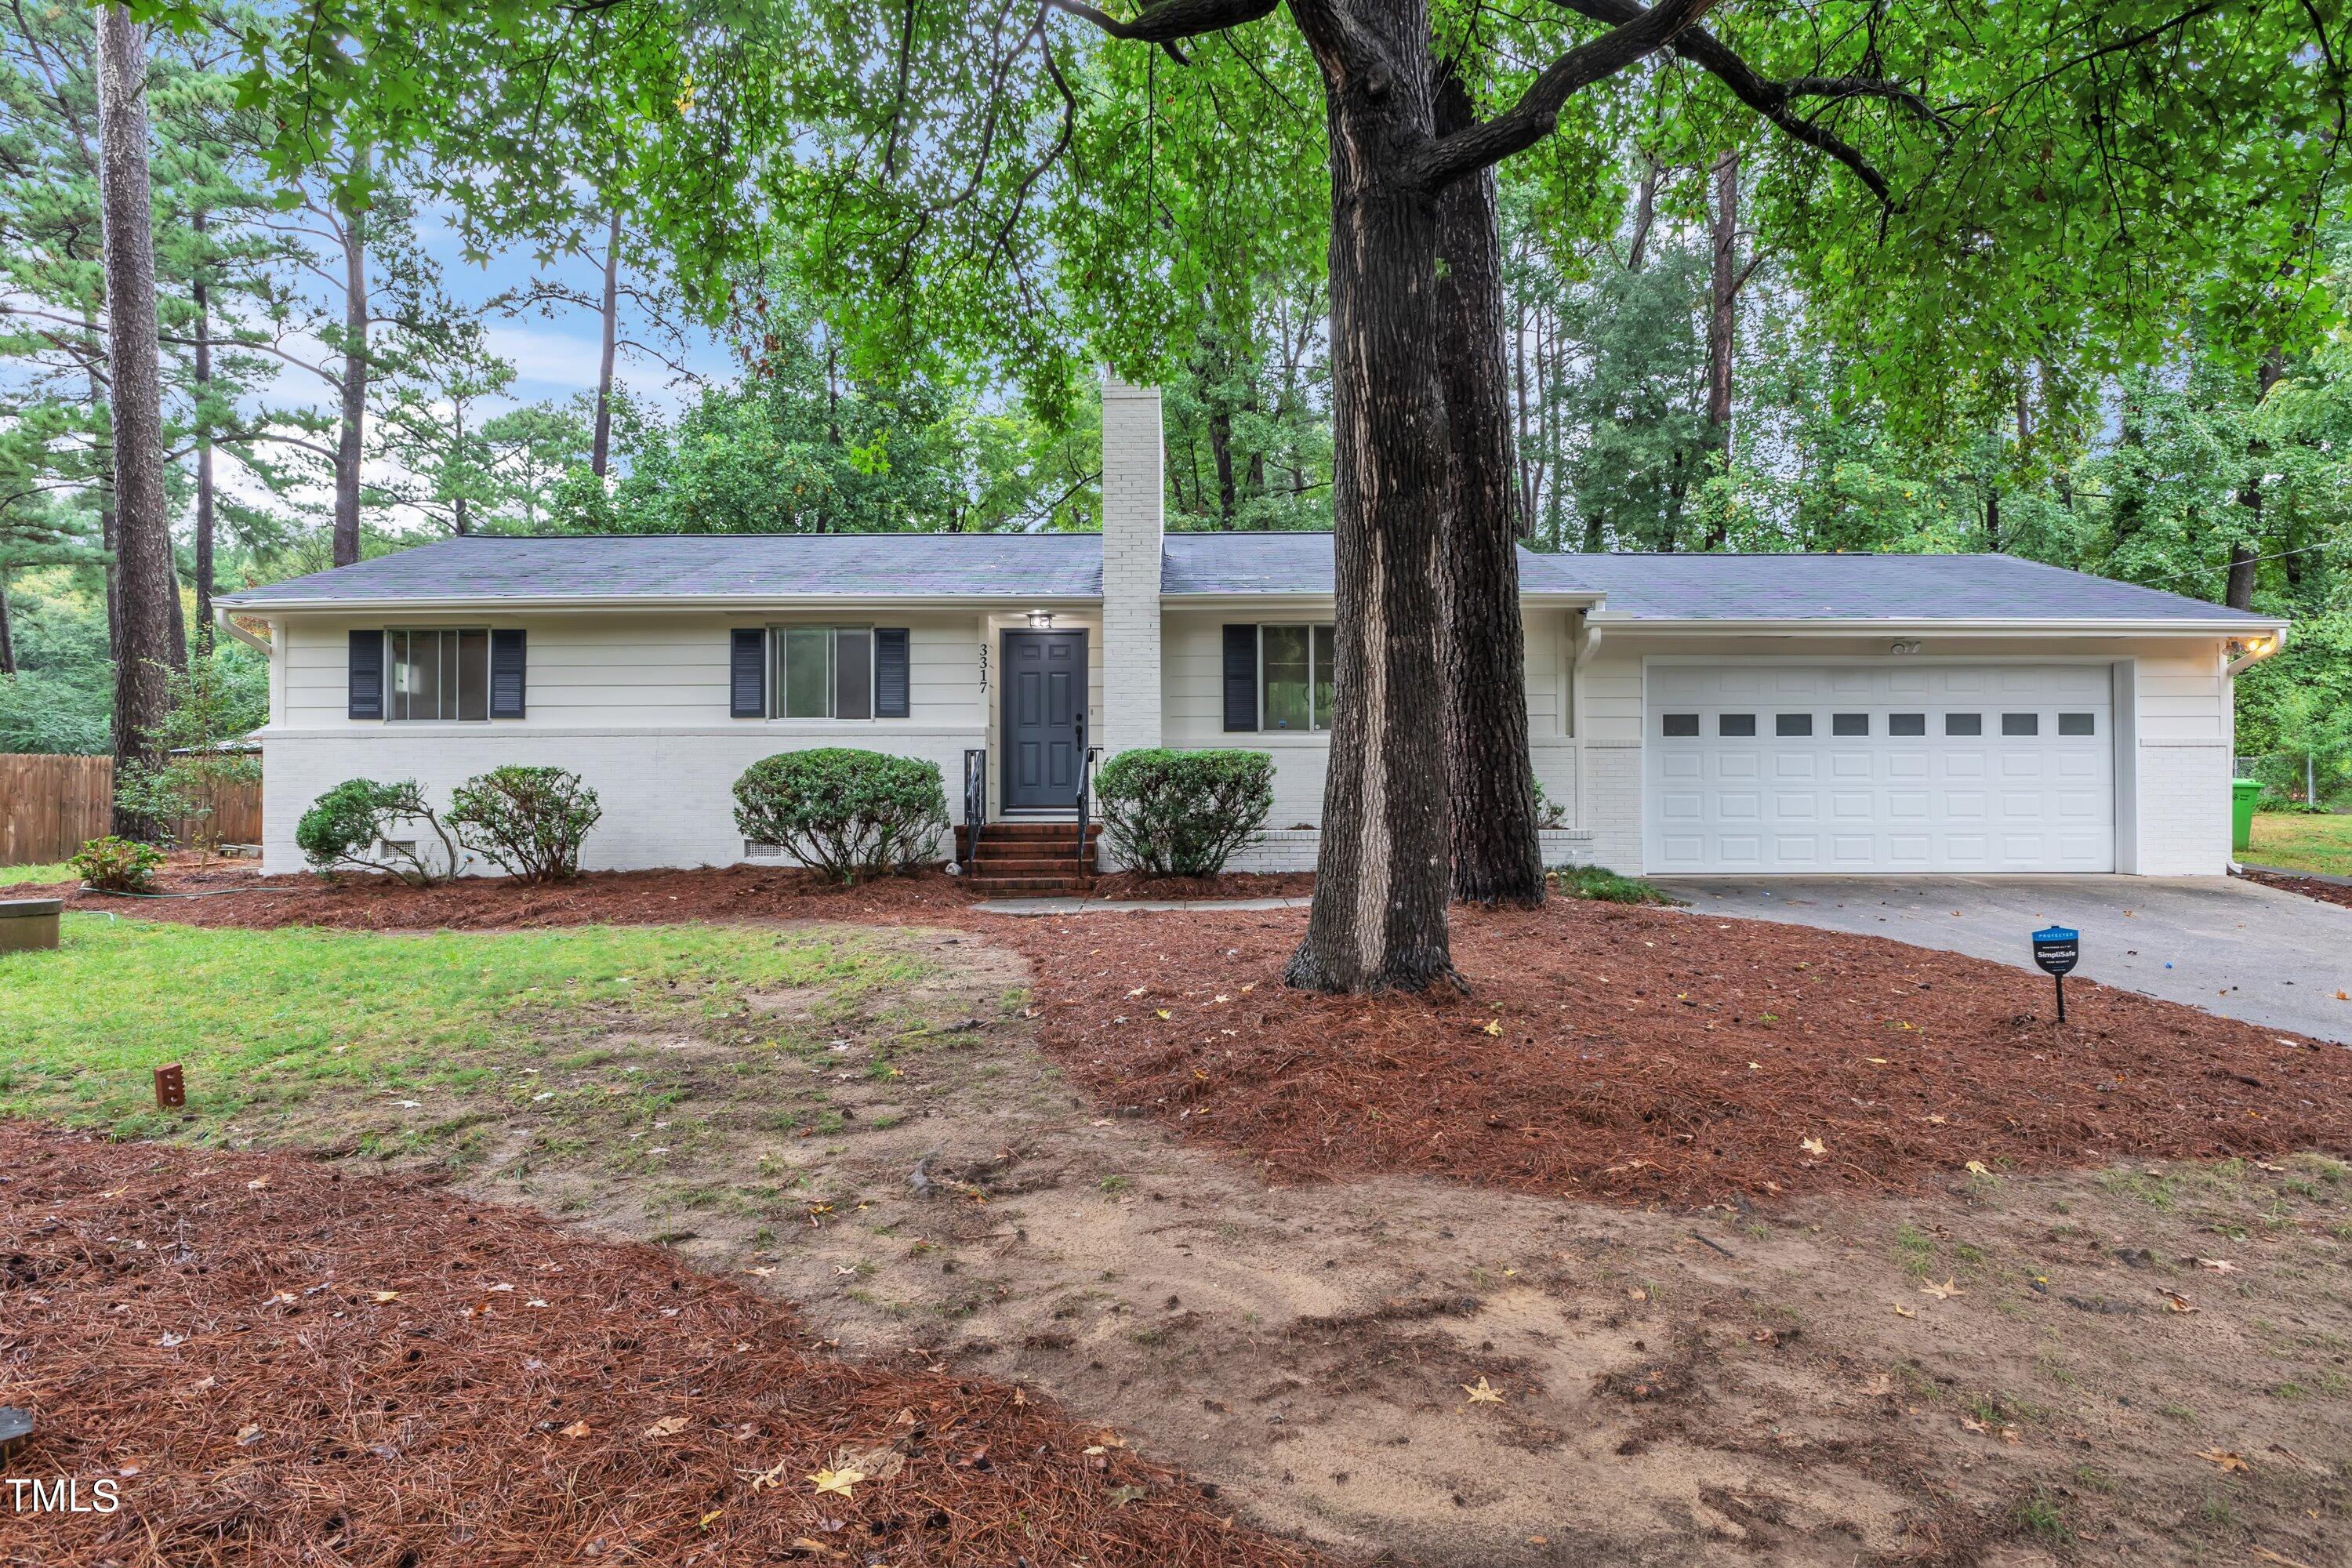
{"points": [[1792, 723], [853, 673], [2021, 723], [1849, 723], [1906, 723], [425, 675], [473, 675], [2076, 724], [1284, 651], [1963, 723], [1327, 676], [1736, 725], [807, 682], [1682, 723]]}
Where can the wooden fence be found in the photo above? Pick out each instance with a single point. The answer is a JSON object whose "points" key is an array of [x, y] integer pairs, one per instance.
{"points": [[50, 806]]}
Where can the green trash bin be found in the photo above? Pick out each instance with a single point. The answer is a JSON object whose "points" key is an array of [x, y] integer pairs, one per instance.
{"points": [[2243, 793]]}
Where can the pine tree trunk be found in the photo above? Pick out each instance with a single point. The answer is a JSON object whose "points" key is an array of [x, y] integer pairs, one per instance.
{"points": [[1722, 319], [7, 633], [101, 462], [348, 443], [600, 447], [143, 542], [204, 449], [1221, 453], [1497, 857], [1379, 919]]}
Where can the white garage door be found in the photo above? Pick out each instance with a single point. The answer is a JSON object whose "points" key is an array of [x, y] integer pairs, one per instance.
{"points": [[1884, 767]]}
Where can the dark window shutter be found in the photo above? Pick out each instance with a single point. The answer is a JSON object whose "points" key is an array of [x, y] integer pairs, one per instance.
{"points": [[891, 676], [747, 673], [1241, 677], [367, 675], [507, 665]]}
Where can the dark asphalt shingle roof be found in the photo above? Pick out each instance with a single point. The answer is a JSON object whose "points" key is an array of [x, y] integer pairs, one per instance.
{"points": [[1683, 587], [673, 566], [1721, 587]]}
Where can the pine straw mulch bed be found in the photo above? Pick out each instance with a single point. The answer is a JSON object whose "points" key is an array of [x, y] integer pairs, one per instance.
{"points": [[278, 1366], [1645, 1055], [2330, 892], [232, 893]]}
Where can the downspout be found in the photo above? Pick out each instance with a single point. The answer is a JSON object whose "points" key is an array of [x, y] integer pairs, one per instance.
{"points": [[222, 618], [1587, 639]]}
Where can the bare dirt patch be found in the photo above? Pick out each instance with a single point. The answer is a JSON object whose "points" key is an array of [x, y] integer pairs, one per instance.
{"points": [[277, 1365], [1637, 1054]]}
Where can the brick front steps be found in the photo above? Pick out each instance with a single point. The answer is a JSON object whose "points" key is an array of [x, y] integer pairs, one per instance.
{"points": [[1028, 858]]}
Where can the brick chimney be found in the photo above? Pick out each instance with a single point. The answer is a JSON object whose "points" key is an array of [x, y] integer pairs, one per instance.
{"points": [[1132, 490]]}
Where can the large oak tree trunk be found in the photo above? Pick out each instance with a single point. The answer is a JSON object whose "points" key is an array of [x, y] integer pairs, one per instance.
{"points": [[353, 417], [142, 542], [601, 445], [1497, 857], [1378, 917]]}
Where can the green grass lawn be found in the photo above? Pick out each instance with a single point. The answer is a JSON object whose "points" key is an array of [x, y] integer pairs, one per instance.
{"points": [[21, 876], [401, 1043], [2293, 842]]}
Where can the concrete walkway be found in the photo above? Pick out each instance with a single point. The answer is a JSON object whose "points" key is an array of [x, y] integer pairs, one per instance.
{"points": [[2222, 944]]}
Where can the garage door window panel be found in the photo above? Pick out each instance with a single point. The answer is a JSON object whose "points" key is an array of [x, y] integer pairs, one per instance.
{"points": [[2078, 725], [1907, 724], [1735, 725], [1963, 723], [1792, 724], [1680, 724], [1849, 724], [2021, 723]]}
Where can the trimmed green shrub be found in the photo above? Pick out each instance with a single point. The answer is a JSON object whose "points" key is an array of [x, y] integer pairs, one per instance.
{"points": [[1182, 813], [847, 812], [346, 825], [114, 865], [529, 822]]}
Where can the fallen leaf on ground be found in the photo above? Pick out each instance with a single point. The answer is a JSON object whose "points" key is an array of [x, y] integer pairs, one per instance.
{"points": [[1978, 1168], [256, 1184], [385, 1296], [2175, 1302], [668, 1426], [1493, 1026], [760, 1273], [1813, 1146], [1121, 1496], [1944, 1292], [1484, 1393], [577, 1429], [2218, 1265], [2227, 1458], [1905, 1313], [838, 1480], [248, 1437]]}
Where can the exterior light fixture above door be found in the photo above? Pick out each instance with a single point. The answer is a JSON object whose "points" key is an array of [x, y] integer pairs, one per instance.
{"points": [[1041, 620]]}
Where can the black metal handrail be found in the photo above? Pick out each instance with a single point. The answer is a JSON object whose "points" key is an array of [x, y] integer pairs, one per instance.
{"points": [[1086, 779], [975, 802]]}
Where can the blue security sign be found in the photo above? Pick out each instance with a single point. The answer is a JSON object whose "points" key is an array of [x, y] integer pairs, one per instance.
{"points": [[2055, 948]]}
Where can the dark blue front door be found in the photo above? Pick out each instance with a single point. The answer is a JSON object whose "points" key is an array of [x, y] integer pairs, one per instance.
{"points": [[1044, 695]]}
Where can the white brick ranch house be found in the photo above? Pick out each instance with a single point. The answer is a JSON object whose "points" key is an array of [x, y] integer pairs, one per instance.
{"points": [[1688, 713]]}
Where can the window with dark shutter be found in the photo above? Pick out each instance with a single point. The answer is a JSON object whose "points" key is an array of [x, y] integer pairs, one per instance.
{"points": [[367, 675], [507, 665], [1241, 677], [747, 683], [891, 674]]}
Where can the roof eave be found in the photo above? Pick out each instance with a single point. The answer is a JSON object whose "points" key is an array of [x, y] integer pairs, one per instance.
{"points": [[237, 605], [1860, 626]]}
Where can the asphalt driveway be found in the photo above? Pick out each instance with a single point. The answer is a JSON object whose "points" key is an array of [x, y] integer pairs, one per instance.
{"points": [[2221, 943]]}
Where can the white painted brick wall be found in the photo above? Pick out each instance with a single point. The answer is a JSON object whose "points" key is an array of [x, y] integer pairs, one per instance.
{"points": [[667, 797], [1613, 805], [1132, 483], [1284, 849], [2184, 810]]}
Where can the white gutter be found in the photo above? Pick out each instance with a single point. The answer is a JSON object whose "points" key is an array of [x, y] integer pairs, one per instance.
{"points": [[226, 622], [2254, 655], [1973, 625], [664, 602]]}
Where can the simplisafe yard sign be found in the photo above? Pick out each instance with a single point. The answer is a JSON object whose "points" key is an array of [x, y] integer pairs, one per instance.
{"points": [[2055, 948]]}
